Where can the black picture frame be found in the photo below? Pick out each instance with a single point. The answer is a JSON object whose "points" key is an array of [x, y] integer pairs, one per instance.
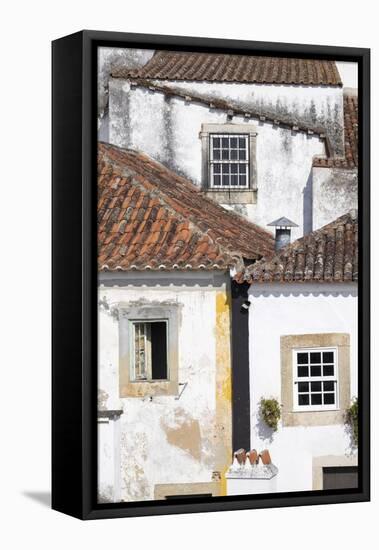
{"points": [[74, 272]]}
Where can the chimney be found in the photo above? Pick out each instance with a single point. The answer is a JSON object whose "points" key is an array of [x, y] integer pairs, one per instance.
{"points": [[282, 231]]}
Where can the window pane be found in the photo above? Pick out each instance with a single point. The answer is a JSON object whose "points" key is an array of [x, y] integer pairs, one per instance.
{"points": [[225, 142], [234, 180], [315, 386], [225, 168], [302, 371], [329, 399], [225, 181], [233, 142], [242, 168], [302, 358], [158, 350], [328, 386], [216, 180], [216, 168], [243, 181], [328, 370], [315, 357], [316, 399], [304, 399], [315, 370], [242, 153], [234, 168], [242, 143], [233, 154], [216, 154], [303, 387], [225, 154], [328, 357], [216, 142]]}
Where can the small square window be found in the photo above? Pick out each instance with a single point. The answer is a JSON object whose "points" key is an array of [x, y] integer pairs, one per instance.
{"points": [[231, 152], [311, 391]]}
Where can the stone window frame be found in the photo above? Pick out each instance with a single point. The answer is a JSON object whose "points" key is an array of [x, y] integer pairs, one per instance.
{"points": [[232, 195], [141, 311], [289, 343]]}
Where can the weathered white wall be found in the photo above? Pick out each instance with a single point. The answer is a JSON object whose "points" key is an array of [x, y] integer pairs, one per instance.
{"points": [[108, 459], [147, 457], [278, 310], [335, 192], [168, 130]]}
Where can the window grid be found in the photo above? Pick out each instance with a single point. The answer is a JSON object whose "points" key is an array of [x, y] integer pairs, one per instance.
{"points": [[315, 379], [229, 161]]}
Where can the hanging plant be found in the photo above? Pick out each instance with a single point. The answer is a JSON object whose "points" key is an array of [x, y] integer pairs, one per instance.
{"points": [[270, 412], [352, 419]]}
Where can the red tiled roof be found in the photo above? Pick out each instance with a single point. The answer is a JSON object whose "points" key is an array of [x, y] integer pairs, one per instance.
{"points": [[329, 254], [350, 160], [151, 218], [213, 67]]}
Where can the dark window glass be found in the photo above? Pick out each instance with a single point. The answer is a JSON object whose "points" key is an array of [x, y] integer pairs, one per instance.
{"points": [[316, 399], [158, 351], [302, 371], [234, 180], [217, 168], [303, 386], [225, 154], [242, 154], [234, 168], [328, 386], [233, 142], [315, 357], [302, 358], [328, 357], [216, 154], [242, 143], [329, 399], [243, 180], [216, 142], [216, 180], [225, 142], [315, 370], [225, 168], [303, 399], [233, 154], [242, 168], [315, 386], [225, 180], [328, 370]]}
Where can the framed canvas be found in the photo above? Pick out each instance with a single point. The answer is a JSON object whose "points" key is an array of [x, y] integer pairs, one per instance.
{"points": [[211, 282]]}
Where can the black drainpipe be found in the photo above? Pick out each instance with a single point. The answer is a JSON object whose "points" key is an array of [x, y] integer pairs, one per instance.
{"points": [[240, 368]]}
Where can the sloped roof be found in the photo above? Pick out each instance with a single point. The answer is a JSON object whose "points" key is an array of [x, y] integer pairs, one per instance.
{"points": [[329, 254], [151, 218], [350, 160], [215, 67]]}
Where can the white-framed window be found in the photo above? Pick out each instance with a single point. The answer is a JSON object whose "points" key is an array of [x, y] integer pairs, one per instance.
{"points": [[149, 350], [229, 161], [315, 376]]}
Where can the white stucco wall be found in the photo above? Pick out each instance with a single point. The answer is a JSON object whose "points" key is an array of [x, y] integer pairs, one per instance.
{"points": [[146, 456], [168, 130], [278, 310], [335, 192]]}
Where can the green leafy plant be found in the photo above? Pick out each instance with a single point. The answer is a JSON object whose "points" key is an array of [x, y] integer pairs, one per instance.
{"points": [[270, 412], [352, 419]]}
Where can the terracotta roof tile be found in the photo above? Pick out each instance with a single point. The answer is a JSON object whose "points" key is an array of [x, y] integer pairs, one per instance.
{"points": [[329, 254], [212, 67], [149, 217], [350, 160]]}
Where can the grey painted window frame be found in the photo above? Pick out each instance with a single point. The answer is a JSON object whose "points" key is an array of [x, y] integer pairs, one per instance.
{"points": [[145, 312], [229, 128]]}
